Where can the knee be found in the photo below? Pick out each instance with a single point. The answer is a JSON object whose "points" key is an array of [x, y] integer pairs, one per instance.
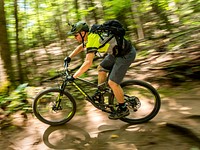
{"points": [[112, 84], [101, 69]]}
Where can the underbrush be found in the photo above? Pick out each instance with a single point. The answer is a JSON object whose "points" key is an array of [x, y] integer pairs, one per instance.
{"points": [[12, 103]]}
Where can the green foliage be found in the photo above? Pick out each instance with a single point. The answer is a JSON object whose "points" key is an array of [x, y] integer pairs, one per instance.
{"points": [[142, 54], [115, 8], [42, 21], [52, 72], [4, 88], [16, 101], [175, 22]]}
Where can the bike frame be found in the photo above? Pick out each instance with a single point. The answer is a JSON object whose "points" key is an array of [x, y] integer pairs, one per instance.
{"points": [[81, 90]]}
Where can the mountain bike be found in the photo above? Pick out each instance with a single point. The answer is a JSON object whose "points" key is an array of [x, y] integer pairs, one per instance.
{"points": [[57, 106]]}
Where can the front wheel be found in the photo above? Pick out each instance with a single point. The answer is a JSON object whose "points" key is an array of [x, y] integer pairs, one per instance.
{"points": [[142, 100], [52, 108]]}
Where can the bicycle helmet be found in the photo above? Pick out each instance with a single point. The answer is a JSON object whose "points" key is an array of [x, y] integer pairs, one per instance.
{"points": [[78, 27]]}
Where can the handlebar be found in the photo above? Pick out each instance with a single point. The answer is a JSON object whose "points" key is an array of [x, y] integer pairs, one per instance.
{"points": [[66, 64], [65, 72]]}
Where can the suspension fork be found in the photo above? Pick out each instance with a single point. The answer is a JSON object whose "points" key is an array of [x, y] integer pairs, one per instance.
{"points": [[62, 88]]}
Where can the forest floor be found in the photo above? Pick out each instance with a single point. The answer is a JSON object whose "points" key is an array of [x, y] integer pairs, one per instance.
{"points": [[175, 127]]}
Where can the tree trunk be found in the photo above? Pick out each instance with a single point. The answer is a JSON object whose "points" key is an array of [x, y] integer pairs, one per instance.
{"points": [[137, 20], [41, 37], [94, 14], [4, 45], [162, 14], [2, 72], [78, 17], [19, 66]]}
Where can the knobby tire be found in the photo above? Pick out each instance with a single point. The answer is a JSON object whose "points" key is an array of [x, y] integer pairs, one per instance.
{"points": [[45, 101], [148, 97]]}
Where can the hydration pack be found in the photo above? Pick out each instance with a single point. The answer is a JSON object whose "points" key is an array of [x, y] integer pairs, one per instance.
{"points": [[115, 29]]}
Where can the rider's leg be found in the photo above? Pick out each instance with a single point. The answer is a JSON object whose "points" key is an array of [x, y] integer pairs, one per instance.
{"points": [[102, 75], [117, 74], [122, 110], [117, 90], [119, 94]]}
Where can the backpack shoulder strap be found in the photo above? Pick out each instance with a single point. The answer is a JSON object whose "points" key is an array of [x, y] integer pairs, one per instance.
{"points": [[106, 42]]}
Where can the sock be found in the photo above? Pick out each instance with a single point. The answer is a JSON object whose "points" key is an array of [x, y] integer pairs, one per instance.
{"points": [[122, 106]]}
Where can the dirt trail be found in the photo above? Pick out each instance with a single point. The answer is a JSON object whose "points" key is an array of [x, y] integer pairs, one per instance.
{"points": [[175, 127]]}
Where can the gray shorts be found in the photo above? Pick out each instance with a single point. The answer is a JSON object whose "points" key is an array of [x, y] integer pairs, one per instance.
{"points": [[118, 66]]}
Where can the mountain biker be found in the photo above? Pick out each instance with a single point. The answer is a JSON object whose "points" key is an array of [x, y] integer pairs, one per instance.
{"points": [[114, 63]]}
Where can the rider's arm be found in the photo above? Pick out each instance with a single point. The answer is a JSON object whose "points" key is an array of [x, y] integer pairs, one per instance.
{"points": [[91, 48], [86, 65], [77, 50]]}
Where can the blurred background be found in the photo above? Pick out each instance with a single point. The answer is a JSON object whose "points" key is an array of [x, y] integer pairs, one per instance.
{"points": [[33, 33], [34, 42]]}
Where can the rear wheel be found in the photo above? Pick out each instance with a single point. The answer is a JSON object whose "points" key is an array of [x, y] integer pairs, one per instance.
{"points": [[142, 100], [47, 108]]}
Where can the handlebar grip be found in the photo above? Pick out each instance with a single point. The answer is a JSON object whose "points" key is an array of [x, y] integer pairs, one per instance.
{"points": [[66, 64], [67, 61]]}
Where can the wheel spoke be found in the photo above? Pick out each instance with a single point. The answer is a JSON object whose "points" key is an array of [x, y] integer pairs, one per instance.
{"points": [[142, 100], [49, 110]]}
